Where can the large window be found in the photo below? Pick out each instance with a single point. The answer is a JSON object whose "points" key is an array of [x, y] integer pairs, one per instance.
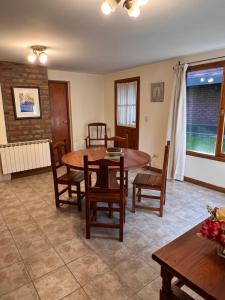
{"points": [[205, 111]]}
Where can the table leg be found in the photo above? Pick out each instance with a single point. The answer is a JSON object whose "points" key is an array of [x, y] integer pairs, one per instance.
{"points": [[166, 290]]}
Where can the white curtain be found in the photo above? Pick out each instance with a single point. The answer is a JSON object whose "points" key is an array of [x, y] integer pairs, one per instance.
{"points": [[177, 125], [126, 103]]}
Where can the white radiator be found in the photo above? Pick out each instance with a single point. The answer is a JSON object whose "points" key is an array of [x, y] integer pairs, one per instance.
{"points": [[21, 156]]}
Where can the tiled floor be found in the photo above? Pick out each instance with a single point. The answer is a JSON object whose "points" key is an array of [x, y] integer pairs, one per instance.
{"points": [[44, 255]]}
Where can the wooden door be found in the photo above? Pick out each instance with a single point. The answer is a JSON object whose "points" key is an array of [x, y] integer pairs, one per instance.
{"points": [[58, 95], [127, 107]]}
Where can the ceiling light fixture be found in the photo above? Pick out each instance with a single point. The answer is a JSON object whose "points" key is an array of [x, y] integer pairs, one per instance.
{"points": [[132, 6], [38, 52]]}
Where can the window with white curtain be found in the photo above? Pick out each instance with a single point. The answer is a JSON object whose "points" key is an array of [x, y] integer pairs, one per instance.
{"points": [[126, 103]]}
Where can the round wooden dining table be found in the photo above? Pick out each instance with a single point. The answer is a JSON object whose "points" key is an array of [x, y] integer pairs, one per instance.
{"points": [[132, 158]]}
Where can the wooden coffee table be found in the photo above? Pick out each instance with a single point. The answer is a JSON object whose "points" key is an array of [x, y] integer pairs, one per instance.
{"points": [[194, 261]]}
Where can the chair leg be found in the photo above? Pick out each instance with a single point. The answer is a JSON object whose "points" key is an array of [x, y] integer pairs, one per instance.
{"points": [[126, 182], [161, 204], [124, 209], [69, 191], [56, 188], [79, 198], [121, 221], [87, 220], [110, 210], [139, 195], [134, 198]]}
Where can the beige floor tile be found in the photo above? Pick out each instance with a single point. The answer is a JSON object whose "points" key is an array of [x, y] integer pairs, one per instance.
{"points": [[56, 285], [87, 267], [110, 250], [13, 277], [72, 250], [140, 239], [5, 238], [135, 273], [13, 221], [61, 234], [30, 246], [77, 295], [151, 291], [144, 232], [107, 287], [9, 255], [43, 263], [26, 292]]}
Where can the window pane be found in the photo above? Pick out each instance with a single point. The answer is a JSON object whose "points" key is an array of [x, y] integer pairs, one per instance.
{"points": [[126, 104], [203, 100], [223, 148]]}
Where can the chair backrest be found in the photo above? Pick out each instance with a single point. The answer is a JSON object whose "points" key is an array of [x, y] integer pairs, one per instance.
{"points": [[57, 150], [96, 134], [165, 163], [103, 184], [118, 141]]}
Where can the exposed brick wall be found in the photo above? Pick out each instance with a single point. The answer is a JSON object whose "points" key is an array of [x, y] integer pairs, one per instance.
{"points": [[203, 104], [14, 75]]}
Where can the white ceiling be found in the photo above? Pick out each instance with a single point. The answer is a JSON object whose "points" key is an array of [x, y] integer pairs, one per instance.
{"points": [[81, 38]]}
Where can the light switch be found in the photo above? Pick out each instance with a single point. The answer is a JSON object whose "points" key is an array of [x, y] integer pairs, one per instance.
{"points": [[146, 119]]}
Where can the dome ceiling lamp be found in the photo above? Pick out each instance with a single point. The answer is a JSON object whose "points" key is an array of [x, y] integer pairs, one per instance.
{"points": [[38, 53], [132, 6]]}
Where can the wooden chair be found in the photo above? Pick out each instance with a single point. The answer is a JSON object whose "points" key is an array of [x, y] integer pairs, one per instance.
{"points": [[104, 192], [70, 178], [96, 135], [119, 142], [152, 182]]}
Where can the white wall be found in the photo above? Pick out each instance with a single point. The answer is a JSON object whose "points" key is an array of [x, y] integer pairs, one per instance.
{"points": [[87, 101], [153, 132]]}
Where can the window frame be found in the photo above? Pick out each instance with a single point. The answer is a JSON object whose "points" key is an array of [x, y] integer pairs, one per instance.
{"points": [[219, 155]]}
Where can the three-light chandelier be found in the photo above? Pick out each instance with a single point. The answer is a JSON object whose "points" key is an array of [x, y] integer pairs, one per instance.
{"points": [[132, 6], [38, 52]]}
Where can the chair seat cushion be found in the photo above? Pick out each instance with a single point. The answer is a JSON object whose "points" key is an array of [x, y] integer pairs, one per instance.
{"points": [[71, 177], [148, 180]]}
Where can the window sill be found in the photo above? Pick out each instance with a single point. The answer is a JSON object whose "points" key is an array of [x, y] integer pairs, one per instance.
{"points": [[206, 156]]}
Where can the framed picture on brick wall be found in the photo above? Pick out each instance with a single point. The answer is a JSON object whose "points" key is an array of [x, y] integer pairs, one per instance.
{"points": [[157, 92], [26, 102]]}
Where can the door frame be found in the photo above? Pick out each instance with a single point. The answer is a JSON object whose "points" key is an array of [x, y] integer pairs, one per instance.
{"points": [[69, 113], [125, 80]]}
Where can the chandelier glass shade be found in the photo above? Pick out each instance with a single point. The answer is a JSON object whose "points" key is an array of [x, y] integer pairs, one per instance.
{"points": [[132, 6], [38, 53]]}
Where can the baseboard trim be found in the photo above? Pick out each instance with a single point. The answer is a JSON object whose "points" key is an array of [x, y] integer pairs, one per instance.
{"points": [[193, 181], [30, 172], [205, 184]]}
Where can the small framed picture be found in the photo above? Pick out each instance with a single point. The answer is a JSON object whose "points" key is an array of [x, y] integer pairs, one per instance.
{"points": [[26, 102], [157, 92]]}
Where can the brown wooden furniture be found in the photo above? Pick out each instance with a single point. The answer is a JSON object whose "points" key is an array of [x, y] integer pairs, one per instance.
{"points": [[121, 130], [132, 158], [104, 192], [96, 135], [120, 142], [70, 178], [152, 182], [60, 119], [194, 261]]}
